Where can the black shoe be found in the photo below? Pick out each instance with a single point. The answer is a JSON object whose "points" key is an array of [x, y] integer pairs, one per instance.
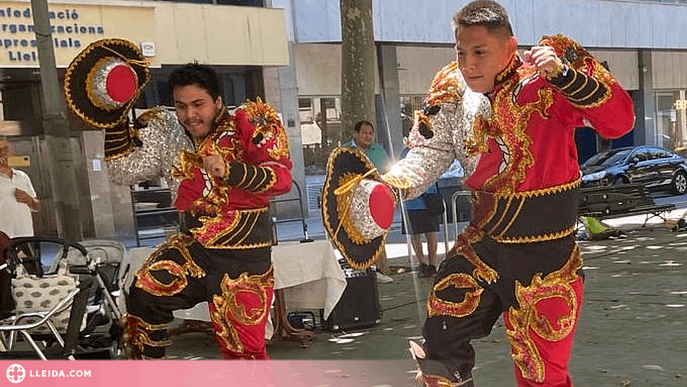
{"points": [[431, 271], [423, 270], [435, 373]]}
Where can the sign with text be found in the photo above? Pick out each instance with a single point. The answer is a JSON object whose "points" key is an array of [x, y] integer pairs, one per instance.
{"points": [[73, 27]]}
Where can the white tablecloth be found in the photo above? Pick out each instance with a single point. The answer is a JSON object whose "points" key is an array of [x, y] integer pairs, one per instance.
{"points": [[309, 273]]}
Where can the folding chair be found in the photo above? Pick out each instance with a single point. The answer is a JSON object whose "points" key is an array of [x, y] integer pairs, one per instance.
{"points": [[75, 299]]}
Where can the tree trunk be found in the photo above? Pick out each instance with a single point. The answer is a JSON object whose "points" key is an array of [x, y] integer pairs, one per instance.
{"points": [[357, 63]]}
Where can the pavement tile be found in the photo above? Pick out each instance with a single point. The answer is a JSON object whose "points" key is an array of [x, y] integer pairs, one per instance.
{"points": [[632, 326]]}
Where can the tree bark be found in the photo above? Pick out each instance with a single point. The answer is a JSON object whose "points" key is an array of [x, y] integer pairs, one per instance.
{"points": [[357, 63]]}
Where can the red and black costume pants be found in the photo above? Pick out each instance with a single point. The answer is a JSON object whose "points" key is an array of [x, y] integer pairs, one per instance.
{"points": [[237, 284], [535, 285]]}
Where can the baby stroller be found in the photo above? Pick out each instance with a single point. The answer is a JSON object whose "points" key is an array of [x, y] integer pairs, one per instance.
{"points": [[64, 312]]}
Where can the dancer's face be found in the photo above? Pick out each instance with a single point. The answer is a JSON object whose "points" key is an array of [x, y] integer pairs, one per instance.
{"points": [[196, 109], [482, 55]]}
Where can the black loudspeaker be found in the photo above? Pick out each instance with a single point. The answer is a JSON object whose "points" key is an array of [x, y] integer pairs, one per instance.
{"points": [[358, 306]]}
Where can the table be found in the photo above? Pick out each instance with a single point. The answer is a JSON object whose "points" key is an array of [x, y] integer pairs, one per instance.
{"points": [[310, 275], [306, 276]]}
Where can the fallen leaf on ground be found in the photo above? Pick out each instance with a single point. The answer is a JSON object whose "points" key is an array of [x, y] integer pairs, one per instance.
{"points": [[652, 367]]}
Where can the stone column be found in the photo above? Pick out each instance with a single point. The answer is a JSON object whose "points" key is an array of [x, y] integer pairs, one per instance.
{"points": [[645, 107], [281, 91], [390, 129]]}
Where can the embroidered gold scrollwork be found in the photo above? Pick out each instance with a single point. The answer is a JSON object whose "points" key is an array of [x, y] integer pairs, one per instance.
{"points": [[447, 85], [344, 196], [269, 127], [436, 381], [227, 308], [528, 319], [463, 246], [439, 307], [148, 282], [137, 333], [187, 160], [508, 113]]}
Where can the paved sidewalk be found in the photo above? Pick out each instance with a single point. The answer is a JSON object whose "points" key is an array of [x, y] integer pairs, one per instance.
{"points": [[632, 327]]}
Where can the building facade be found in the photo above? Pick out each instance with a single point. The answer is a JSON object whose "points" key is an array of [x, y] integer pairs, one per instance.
{"points": [[245, 41], [638, 40]]}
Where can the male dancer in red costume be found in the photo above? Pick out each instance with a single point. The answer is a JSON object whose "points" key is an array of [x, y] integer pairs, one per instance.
{"points": [[223, 253], [518, 257], [222, 167]]}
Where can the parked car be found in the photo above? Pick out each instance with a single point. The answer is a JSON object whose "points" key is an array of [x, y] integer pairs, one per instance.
{"points": [[654, 167]]}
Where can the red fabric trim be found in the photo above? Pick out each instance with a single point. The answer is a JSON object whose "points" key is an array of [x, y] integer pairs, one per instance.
{"points": [[121, 83], [382, 206]]}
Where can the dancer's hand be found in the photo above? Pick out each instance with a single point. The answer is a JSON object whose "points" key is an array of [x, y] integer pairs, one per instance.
{"points": [[546, 61], [215, 165]]}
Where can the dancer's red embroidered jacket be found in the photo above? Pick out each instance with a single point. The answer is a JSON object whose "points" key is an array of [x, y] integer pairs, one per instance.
{"points": [[231, 212], [529, 143]]}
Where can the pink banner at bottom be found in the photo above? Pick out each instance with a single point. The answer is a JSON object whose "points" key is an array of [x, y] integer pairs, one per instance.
{"points": [[172, 373]]}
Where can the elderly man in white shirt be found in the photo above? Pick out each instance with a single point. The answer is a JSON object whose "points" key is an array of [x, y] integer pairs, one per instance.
{"points": [[17, 197]]}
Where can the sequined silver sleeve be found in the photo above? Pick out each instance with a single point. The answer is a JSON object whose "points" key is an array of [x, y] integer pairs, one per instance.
{"points": [[163, 138], [430, 157]]}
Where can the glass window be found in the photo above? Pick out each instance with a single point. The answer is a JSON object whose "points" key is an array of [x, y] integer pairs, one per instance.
{"points": [[607, 158], [658, 153], [671, 119], [321, 130], [409, 104], [304, 103], [253, 3], [641, 154]]}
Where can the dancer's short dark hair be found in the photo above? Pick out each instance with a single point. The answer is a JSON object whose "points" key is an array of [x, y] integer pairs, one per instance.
{"points": [[488, 14], [196, 74]]}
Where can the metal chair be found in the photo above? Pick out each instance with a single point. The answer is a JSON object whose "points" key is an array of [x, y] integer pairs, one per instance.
{"points": [[8, 332]]}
